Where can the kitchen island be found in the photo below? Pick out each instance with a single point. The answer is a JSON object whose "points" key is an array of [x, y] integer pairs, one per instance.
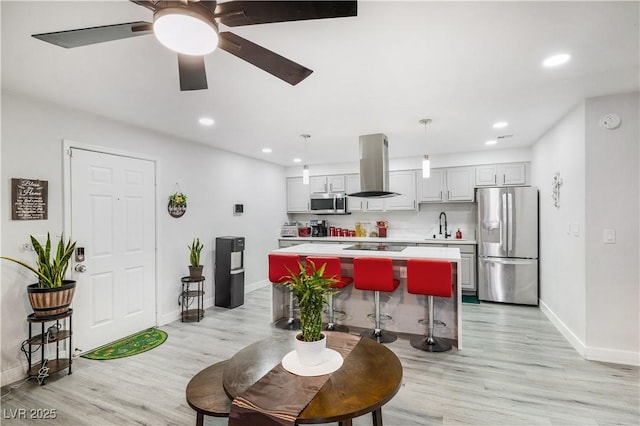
{"points": [[405, 309]]}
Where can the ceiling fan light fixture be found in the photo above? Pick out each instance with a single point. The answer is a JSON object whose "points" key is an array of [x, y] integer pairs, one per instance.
{"points": [[186, 31]]}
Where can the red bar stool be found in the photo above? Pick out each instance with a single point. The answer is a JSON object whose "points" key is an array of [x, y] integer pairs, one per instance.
{"points": [[280, 268], [333, 269], [429, 278], [375, 274]]}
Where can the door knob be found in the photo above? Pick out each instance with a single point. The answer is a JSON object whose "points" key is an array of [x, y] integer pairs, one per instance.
{"points": [[80, 268]]}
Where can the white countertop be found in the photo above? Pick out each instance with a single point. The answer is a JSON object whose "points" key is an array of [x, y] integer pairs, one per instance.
{"points": [[319, 249], [389, 240]]}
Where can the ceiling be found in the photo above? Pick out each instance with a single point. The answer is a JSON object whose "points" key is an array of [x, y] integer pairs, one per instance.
{"points": [[465, 65]]}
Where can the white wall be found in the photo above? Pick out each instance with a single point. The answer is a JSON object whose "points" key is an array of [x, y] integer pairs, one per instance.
{"points": [[562, 253], [589, 289], [613, 289], [213, 179]]}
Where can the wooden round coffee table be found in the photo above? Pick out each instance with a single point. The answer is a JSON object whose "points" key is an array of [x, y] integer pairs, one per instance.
{"points": [[370, 376]]}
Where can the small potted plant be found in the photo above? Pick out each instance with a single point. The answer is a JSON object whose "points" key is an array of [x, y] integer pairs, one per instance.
{"points": [[52, 294], [311, 289], [195, 268]]}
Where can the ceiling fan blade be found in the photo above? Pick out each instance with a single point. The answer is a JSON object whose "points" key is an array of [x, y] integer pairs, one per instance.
{"points": [[149, 4], [264, 59], [192, 72], [236, 13], [93, 35]]}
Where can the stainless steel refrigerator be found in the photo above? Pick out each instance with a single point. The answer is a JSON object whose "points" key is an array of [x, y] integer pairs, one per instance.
{"points": [[508, 245]]}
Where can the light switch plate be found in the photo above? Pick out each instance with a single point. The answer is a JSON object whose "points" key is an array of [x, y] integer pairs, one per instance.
{"points": [[609, 236]]}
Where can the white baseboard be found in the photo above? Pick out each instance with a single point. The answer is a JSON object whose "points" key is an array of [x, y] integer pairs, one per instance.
{"points": [[256, 286], [614, 356], [13, 375], [19, 372], [587, 352], [573, 340]]}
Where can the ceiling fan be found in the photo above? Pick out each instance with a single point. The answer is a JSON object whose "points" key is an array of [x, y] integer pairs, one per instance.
{"points": [[190, 28]]}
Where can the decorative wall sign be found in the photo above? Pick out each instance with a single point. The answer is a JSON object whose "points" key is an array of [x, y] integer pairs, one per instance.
{"points": [[557, 183], [177, 203], [29, 199]]}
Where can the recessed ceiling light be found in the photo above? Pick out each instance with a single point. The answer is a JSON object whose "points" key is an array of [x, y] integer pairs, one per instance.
{"points": [[500, 124], [267, 150], [491, 142], [206, 121], [297, 160], [555, 60]]}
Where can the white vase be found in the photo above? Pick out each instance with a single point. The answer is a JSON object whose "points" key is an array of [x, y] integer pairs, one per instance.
{"points": [[310, 353]]}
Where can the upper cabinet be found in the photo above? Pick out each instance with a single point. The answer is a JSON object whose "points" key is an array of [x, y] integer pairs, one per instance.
{"points": [[404, 183], [444, 185], [501, 174], [460, 184], [352, 185], [297, 195], [335, 183]]}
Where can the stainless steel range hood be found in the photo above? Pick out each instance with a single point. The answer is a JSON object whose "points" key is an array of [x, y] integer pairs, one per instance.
{"points": [[374, 167]]}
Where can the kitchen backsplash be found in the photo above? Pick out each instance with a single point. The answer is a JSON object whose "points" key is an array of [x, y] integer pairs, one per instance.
{"points": [[423, 223]]}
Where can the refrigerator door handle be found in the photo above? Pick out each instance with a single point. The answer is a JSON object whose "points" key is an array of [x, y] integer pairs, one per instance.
{"points": [[504, 225], [509, 223]]}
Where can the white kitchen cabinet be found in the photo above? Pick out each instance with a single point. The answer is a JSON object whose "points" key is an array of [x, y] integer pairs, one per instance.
{"points": [[404, 183], [452, 184], [501, 174], [317, 184], [336, 183], [432, 188], [297, 195], [374, 204], [352, 185], [332, 183], [460, 184]]}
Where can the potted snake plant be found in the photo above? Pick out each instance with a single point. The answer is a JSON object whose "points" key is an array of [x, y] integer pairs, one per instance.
{"points": [[311, 289], [52, 294], [195, 268]]}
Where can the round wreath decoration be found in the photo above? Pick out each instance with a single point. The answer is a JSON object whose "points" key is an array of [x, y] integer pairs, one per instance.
{"points": [[177, 204]]}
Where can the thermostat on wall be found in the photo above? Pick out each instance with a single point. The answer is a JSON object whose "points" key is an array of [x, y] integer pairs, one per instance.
{"points": [[610, 121]]}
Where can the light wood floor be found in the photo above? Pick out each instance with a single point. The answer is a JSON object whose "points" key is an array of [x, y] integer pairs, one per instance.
{"points": [[515, 369]]}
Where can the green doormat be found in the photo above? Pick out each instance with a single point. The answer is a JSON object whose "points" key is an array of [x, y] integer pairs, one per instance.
{"points": [[470, 299], [132, 345]]}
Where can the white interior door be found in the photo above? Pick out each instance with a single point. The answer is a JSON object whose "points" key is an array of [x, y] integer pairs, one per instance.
{"points": [[113, 218]]}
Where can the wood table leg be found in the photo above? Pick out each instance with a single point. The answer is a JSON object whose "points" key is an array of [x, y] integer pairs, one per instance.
{"points": [[345, 422], [199, 419], [376, 417]]}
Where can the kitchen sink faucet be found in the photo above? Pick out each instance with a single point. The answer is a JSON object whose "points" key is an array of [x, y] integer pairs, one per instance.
{"points": [[446, 235]]}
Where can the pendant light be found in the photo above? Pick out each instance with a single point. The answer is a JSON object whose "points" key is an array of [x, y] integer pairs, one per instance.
{"points": [[305, 168], [426, 164]]}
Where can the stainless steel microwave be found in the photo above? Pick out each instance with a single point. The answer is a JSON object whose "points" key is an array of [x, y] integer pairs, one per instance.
{"points": [[329, 203]]}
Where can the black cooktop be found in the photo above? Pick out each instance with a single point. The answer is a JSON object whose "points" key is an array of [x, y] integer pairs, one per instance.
{"points": [[375, 247]]}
